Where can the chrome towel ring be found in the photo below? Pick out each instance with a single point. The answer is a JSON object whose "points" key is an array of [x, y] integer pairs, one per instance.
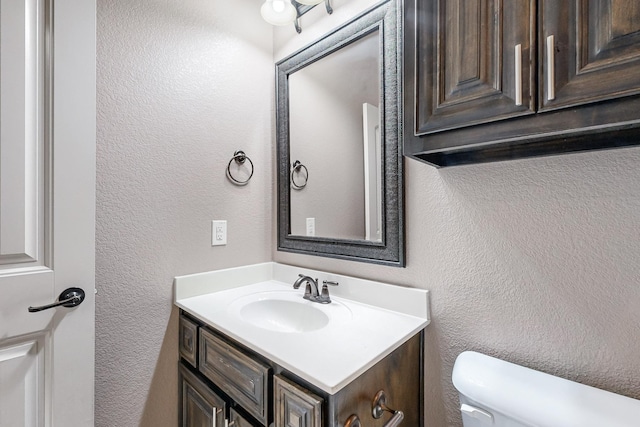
{"points": [[240, 157], [296, 169]]}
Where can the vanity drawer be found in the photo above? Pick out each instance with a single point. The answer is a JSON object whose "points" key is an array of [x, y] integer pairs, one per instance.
{"points": [[295, 406], [188, 340], [244, 379]]}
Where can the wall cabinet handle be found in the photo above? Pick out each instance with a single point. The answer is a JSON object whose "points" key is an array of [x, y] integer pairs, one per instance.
{"points": [[518, 73], [551, 68]]}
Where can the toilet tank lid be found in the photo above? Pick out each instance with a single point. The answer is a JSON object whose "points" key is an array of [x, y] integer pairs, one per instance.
{"points": [[538, 399]]}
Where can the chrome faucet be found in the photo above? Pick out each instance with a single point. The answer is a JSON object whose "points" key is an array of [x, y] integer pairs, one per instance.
{"points": [[311, 292]]}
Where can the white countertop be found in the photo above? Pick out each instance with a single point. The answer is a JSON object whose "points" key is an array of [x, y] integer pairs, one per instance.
{"points": [[330, 357]]}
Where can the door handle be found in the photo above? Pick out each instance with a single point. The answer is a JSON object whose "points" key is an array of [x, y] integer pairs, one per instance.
{"points": [[70, 297]]}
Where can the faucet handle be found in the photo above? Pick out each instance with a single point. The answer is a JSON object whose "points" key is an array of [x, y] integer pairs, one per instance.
{"points": [[324, 295]]}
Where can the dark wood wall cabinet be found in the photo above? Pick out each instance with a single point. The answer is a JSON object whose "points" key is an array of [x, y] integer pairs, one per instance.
{"points": [[489, 80], [225, 382]]}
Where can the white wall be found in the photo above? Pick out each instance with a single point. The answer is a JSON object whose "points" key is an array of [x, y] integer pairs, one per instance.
{"points": [[535, 261], [182, 84]]}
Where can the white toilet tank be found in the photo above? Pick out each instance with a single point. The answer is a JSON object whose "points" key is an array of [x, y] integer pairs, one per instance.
{"points": [[500, 394]]}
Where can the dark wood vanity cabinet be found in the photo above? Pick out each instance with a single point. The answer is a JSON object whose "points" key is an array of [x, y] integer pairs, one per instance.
{"points": [[498, 79], [231, 383]]}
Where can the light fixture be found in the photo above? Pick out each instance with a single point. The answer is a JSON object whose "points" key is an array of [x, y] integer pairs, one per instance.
{"points": [[278, 12], [284, 12]]}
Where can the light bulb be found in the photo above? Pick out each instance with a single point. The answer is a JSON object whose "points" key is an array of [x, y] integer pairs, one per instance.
{"points": [[278, 12], [278, 6]]}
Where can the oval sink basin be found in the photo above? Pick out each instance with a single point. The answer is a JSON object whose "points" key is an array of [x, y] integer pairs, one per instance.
{"points": [[284, 316], [284, 311]]}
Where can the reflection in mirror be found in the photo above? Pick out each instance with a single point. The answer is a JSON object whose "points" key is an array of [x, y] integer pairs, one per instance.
{"points": [[338, 112], [331, 104]]}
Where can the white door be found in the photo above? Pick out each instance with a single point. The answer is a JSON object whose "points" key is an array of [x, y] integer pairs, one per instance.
{"points": [[47, 209]]}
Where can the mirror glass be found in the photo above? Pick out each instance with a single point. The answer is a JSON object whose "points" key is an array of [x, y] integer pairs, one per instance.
{"points": [[334, 124], [338, 112]]}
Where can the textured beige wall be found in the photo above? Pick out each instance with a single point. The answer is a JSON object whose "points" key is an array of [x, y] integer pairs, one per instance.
{"points": [[535, 261], [181, 85]]}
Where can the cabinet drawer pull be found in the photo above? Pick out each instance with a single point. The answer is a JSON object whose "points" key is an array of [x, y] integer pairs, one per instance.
{"points": [[518, 73], [551, 68]]}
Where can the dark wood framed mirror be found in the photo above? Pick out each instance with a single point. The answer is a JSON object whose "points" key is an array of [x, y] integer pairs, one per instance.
{"points": [[339, 159]]}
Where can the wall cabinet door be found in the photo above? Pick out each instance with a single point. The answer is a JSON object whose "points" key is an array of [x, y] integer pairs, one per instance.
{"points": [[589, 51], [200, 407], [475, 62]]}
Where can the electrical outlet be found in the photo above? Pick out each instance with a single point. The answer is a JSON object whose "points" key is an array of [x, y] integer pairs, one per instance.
{"points": [[311, 226], [218, 233]]}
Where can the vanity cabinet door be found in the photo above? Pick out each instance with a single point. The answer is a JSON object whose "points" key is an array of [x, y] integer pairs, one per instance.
{"points": [[589, 51], [243, 378], [295, 406], [474, 62], [237, 420], [200, 407]]}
